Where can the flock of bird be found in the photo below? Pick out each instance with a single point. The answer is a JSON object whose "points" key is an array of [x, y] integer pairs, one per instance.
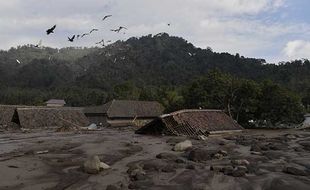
{"points": [[77, 36]]}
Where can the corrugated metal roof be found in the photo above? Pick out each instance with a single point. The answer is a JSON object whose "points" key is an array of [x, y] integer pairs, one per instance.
{"points": [[192, 123]]}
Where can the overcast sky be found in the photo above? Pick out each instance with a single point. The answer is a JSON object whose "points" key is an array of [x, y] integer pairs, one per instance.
{"points": [[276, 30]]}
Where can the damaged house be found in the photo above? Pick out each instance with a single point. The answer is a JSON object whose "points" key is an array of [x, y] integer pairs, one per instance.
{"points": [[120, 113], [192, 123]]}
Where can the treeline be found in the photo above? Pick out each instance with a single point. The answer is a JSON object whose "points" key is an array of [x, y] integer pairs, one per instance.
{"points": [[162, 68]]}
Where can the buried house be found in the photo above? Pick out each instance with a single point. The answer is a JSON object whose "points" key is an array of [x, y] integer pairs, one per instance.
{"points": [[191, 123], [120, 113], [45, 117]]}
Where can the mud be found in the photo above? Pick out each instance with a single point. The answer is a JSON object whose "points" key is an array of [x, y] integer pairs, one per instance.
{"points": [[49, 160]]}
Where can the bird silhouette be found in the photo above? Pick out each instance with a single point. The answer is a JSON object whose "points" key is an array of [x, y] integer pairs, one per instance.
{"points": [[51, 30], [71, 39], [85, 34], [105, 17], [93, 30], [168, 24], [119, 29], [77, 36]]}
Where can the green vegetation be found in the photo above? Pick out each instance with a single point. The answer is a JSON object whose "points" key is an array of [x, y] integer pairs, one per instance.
{"points": [[163, 68]]}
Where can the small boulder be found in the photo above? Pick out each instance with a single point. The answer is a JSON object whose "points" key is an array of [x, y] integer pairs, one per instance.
{"points": [[182, 146], [93, 165]]}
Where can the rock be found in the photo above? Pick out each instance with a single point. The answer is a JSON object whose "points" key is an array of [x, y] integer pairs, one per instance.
{"points": [[174, 140], [199, 155], [104, 166], [240, 162], [93, 165], [165, 155], [295, 170], [182, 146]]}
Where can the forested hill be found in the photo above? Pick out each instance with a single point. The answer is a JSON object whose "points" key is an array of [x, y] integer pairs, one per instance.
{"points": [[128, 69]]}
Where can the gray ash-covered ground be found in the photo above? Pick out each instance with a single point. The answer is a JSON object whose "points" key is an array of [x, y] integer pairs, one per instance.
{"points": [[254, 159]]}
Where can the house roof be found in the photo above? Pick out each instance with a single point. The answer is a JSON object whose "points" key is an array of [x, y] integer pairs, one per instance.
{"points": [[127, 108], [191, 123], [56, 101], [40, 117]]}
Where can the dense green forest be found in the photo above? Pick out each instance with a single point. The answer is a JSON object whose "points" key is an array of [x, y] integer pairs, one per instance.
{"points": [[163, 68]]}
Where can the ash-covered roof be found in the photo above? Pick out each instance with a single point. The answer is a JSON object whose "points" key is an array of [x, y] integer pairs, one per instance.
{"points": [[127, 109], [191, 123], [42, 117]]}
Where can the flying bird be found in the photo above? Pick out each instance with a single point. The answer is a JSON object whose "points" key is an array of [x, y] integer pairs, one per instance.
{"points": [[71, 39], [77, 36], [85, 34], [51, 30], [168, 24], [105, 17], [17, 61], [119, 29], [93, 30]]}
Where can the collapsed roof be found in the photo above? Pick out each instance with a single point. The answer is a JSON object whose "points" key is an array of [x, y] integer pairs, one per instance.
{"points": [[191, 123]]}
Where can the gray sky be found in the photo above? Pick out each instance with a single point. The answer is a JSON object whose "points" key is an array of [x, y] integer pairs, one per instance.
{"points": [[277, 30]]}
